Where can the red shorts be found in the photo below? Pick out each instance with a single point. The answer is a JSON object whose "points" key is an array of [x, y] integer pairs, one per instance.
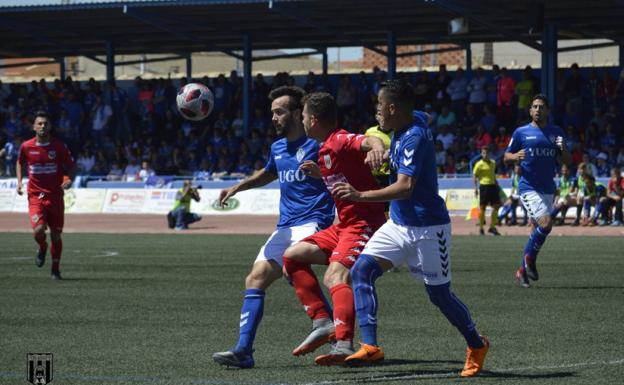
{"points": [[46, 209], [342, 243]]}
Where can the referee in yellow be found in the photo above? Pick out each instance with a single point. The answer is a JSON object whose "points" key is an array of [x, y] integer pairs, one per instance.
{"points": [[486, 187]]}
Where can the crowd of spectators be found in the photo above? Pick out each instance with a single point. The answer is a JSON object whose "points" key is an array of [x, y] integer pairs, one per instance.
{"points": [[130, 133]]}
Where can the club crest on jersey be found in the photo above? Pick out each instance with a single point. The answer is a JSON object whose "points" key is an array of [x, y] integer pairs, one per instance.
{"points": [[34, 218], [328, 162], [300, 154], [51, 154]]}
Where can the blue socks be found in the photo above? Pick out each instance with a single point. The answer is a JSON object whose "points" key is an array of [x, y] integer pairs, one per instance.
{"points": [[363, 275], [504, 212], [456, 312], [535, 242], [251, 315]]}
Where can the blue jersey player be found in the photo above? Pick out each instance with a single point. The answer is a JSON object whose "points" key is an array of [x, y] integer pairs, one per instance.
{"points": [[538, 147], [305, 208], [418, 232]]}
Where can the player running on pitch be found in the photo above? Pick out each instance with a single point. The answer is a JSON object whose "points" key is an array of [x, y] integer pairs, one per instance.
{"points": [[305, 207], [50, 171], [538, 146]]}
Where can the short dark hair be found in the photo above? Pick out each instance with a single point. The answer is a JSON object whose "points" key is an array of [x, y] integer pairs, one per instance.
{"points": [[322, 105], [541, 97], [295, 93], [42, 114], [400, 93]]}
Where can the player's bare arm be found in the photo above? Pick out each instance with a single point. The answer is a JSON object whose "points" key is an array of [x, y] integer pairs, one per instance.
{"points": [[514, 156], [310, 168], [375, 151], [18, 175], [565, 156], [401, 189], [259, 178]]}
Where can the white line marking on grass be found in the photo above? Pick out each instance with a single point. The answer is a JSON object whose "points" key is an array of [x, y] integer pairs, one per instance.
{"points": [[21, 258], [456, 373], [105, 254]]}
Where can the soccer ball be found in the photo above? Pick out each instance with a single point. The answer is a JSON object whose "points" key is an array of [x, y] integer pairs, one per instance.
{"points": [[195, 101]]}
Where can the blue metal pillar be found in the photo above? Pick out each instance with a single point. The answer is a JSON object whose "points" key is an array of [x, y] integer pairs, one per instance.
{"points": [[391, 55], [621, 63], [325, 62], [247, 61], [549, 63], [110, 61], [62, 69], [189, 68], [468, 60]]}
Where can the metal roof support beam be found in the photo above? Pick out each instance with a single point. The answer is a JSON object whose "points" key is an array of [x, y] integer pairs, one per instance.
{"points": [[468, 60], [159, 23], [430, 51], [286, 55], [325, 64], [549, 63], [321, 27], [110, 61], [465, 9], [391, 58], [30, 63], [189, 67], [247, 62], [37, 36], [586, 46], [62, 69], [154, 60]]}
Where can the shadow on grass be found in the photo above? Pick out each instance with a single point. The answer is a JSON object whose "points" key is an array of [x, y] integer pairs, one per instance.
{"points": [[580, 287], [494, 374]]}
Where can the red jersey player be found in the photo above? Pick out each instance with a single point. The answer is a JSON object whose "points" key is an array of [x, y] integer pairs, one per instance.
{"points": [[49, 161], [343, 157]]}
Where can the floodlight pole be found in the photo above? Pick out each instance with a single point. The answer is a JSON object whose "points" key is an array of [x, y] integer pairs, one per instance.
{"points": [[468, 60], [326, 64], [247, 61]]}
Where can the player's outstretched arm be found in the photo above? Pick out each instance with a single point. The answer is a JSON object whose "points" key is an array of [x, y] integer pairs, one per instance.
{"points": [[401, 189], [259, 178]]}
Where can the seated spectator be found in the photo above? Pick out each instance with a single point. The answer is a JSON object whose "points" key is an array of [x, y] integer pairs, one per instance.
{"points": [[469, 121], [488, 121], [619, 160], [502, 140], [115, 173], [594, 194], [602, 168], [131, 171], [482, 138], [243, 168], [146, 171], [587, 165], [85, 161], [204, 172], [447, 117], [462, 167], [615, 194], [440, 155], [222, 169], [99, 169], [238, 124], [445, 136]]}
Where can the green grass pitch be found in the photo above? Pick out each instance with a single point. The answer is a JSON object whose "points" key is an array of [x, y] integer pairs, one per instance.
{"points": [[151, 309]]}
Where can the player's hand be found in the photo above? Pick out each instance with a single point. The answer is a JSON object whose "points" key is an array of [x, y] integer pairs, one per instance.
{"points": [[310, 168], [224, 195], [19, 188], [374, 159], [560, 142], [520, 155], [66, 183], [345, 191]]}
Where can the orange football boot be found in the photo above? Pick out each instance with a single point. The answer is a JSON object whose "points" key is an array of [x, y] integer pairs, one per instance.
{"points": [[475, 359]]}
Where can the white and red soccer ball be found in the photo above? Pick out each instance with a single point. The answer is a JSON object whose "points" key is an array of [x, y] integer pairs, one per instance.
{"points": [[195, 101]]}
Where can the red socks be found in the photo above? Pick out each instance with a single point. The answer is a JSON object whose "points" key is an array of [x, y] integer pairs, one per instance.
{"points": [[344, 311], [307, 288], [55, 251]]}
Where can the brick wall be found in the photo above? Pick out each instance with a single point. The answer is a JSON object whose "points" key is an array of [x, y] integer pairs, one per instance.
{"points": [[454, 58]]}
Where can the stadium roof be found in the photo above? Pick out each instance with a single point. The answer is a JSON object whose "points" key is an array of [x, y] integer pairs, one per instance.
{"points": [[135, 27]]}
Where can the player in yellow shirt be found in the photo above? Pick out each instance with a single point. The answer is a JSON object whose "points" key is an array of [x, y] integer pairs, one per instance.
{"points": [[486, 187], [381, 174]]}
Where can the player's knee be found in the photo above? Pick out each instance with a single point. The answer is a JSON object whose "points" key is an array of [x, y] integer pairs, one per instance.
{"points": [[336, 274], [365, 269], [439, 294]]}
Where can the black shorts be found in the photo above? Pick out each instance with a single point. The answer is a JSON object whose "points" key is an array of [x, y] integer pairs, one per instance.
{"points": [[489, 194]]}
